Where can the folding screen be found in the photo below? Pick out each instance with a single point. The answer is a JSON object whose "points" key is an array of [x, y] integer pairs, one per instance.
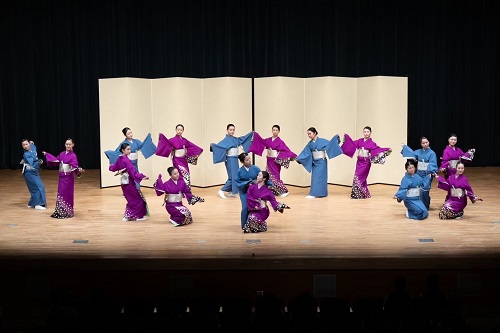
{"points": [[203, 106], [335, 105]]}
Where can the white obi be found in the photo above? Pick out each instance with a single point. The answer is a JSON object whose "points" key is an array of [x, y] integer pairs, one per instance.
{"points": [[453, 163], [174, 197], [133, 156], [124, 180], [413, 192], [232, 152], [64, 167], [262, 203], [319, 154], [457, 192], [363, 152], [272, 153], [422, 166], [180, 152]]}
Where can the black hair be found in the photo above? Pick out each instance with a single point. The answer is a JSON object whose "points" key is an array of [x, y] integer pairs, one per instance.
{"points": [[368, 128], [180, 126], [242, 156], [70, 139], [312, 129], [124, 146], [265, 175], [423, 137], [410, 162], [452, 134], [229, 125], [24, 140], [125, 130], [277, 126], [170, 170]]}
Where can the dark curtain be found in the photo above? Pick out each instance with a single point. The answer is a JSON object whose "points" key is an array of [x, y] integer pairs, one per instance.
{"points": [[53, 52]]}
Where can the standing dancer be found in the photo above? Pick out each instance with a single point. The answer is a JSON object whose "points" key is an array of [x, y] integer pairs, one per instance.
{"points": [[174, 190], [314, 159], [368, 153], [409, 193], [426, 167], [278, 155], [137, 207], [182, 152], [258, 196], [31, 164], [227, 151], [452, 155], [68, 168]]}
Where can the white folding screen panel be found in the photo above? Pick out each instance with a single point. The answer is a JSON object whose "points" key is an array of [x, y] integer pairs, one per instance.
{"points": [[280, 101], [225, 100], [123, 102], [178, 101], [383, 105]]}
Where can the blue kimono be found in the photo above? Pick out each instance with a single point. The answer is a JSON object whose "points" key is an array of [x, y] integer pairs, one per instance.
{"points": [[31, 166], [313, 159], [227, 151], [409, 193], [427, 165], [245, 178]]}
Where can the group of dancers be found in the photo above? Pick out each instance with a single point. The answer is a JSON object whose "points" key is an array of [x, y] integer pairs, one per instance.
{"points": [[257, 189]]}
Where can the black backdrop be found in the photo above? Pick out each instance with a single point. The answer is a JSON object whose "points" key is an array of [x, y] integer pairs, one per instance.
{"points": [[53, 52]]}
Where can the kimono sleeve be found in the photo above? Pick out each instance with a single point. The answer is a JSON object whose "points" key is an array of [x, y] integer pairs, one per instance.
{"points": [[117, 165], [258, 145], [51, 160], [112, 156], [218, 153], [285, 152], [348, 147], [186, 191], [245, 141], [332, 147], [401, 193], [159, 186], [407, 152], [305, 158], [164, 146], [443, 184], [269, 196], [241, 181], [468, 191], [148, 148], [192, 152]]}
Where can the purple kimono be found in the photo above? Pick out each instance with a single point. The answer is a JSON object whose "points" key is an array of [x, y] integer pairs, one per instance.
{"points": [[278, 155], [368, 153], [68, 164], [136, 207], [181, 151], [258, 211], [174, 192], [459, 190], [450, 158]]}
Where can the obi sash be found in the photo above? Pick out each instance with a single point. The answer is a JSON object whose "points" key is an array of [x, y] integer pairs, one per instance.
{"points": [[124, 179], [26, 166], [457, 192], [133, 156], [272, 153], [180, 152], [63, 167], [174, 197], [453, 163], [263, 203], [319, 154], [422, 166], [363, 152], [232, 152], [413, 192]]}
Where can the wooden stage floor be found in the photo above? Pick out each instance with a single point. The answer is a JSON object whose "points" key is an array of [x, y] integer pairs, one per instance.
{"points": [[328, 233]]}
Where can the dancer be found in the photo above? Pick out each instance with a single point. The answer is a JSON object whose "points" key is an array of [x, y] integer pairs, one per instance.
{"points": [[181, 151], [409, 193], [174, 190], [452, 155], [31, 164], [368, 153], [314, 159], [137, 207], [459, 190], [246, 176], [426, 167], [258, 196], [227, 151], [278, 155], [68, 168]]}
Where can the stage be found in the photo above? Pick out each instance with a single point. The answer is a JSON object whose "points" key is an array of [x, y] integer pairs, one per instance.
{"points": [[335, 232]]}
